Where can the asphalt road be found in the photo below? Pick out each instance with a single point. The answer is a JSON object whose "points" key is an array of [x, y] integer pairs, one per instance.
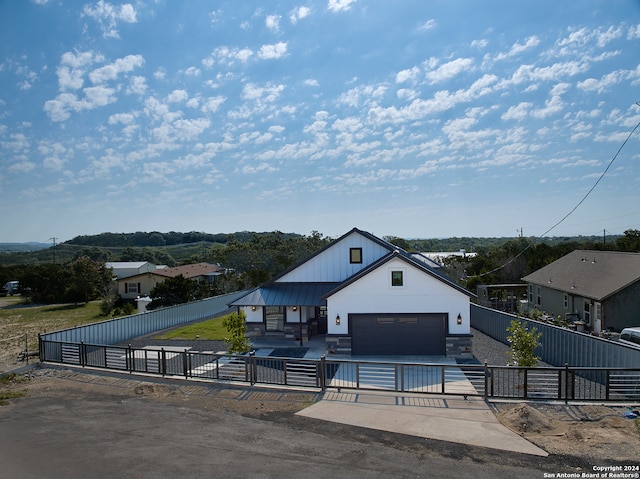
{"points": [[95, 435]]}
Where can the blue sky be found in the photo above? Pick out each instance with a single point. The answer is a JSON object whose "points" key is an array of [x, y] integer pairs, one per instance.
{"points": [[410, 118]]}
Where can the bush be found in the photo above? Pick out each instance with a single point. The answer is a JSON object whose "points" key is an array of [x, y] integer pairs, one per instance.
{"points": [[237, 327], [523, 344]]}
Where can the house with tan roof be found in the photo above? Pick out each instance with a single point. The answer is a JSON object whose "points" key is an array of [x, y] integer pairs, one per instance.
{"points": [[141, 284]]}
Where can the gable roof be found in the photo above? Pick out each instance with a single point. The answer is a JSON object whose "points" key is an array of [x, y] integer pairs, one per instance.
{"points": [[407, 258], [369, 236], [589, 273]]}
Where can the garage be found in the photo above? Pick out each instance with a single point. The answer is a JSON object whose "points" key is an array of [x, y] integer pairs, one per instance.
{"points": [[398, 334]]}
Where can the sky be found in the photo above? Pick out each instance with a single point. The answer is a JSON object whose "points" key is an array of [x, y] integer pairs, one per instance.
{"points": [[411, 118]]}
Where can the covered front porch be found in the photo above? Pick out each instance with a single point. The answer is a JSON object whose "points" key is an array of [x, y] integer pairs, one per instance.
{"points": [[286, 311]]}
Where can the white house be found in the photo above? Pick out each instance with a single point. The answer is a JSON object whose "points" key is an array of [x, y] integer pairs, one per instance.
{"points": [[368, 297]]}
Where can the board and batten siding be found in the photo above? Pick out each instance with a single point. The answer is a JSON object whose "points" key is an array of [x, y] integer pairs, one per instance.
{"points": [[421, 293], [332, 264]]}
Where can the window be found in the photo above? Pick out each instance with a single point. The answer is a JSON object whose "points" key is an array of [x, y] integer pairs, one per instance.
{"points": [[355, 255], [132, 288], [397, 278], [274, 318], [539, 298], [531, 293], [566, 301]]}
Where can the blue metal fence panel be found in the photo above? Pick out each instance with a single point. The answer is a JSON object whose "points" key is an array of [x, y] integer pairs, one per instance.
{"points": [[559, 346], [117, 330]]}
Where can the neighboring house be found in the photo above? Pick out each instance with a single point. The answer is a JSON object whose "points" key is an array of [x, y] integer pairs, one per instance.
{"points": [[598, 288], [131, 287], [369, 297], [123, 269]]}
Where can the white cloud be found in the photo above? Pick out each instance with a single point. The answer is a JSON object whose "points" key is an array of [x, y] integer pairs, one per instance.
{"points": [[449, 70], [108, 16], [275, 51], [311, 82], [177, 96], [111, 71], [409, 75], [192, 72], [137, 86], [212, 103], [227, 56], [518, 112], [428, 25], [340, 5], [634, 32], [299, 13], [124, 118], [517, 48], [272, 22], [72, 68]]}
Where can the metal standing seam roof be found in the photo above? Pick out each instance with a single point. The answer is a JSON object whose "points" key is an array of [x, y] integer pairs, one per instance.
{"points": [[591, 274], [286, 294]]}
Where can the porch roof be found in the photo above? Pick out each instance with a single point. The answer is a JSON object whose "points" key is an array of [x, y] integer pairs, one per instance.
{"points": [[287, 294]]}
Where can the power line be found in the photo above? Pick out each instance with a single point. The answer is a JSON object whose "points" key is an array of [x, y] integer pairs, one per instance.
{"points": [[570, 212]]}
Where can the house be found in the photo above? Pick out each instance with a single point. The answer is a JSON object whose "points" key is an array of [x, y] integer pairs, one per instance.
{"points": [[123, 269], [368, 297], [142, 284], [598, 288]]}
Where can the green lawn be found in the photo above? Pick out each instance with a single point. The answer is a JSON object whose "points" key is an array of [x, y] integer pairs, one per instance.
{"points": [[212, 330]]}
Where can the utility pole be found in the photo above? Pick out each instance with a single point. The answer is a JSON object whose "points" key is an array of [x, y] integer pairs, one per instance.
{"points": [[54, 239]]}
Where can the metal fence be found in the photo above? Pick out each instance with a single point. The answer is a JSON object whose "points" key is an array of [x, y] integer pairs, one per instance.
{"points": [[559, 346], [117, 330], [491, 382]]}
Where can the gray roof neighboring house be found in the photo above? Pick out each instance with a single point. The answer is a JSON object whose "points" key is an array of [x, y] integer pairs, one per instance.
{"points": [[589, 273]]}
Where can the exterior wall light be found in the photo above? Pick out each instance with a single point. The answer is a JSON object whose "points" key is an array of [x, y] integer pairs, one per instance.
{"points": [[253, 308], [294, 308], [459, 319], [337, 319]]}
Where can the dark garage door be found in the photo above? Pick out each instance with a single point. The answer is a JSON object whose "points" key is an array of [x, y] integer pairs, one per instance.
{"points": [[398, 334]]}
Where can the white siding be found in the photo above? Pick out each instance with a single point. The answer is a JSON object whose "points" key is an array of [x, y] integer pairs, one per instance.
{"points": [[421, 293], [332, 264]]}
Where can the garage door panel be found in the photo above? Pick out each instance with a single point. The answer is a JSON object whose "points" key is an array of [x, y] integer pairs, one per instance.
{"points": [[398, 334]]}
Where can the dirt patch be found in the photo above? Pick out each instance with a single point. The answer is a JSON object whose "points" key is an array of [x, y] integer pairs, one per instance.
{"points": [[593, 432]]}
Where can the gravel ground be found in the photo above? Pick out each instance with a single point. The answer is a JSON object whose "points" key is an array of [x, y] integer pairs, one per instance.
{"points": [[489, 350]]}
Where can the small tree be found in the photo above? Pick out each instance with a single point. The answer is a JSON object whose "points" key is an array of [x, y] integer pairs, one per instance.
{"points": [[523, 344], [237, 327]]}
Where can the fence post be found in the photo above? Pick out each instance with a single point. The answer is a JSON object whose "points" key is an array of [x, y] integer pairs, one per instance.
{"points": [[185, 366], [40, 348], [322, 373], [566, 383], [486, 381], [26, 348], [252, 358], [526, 380], [607, 384], [163, 359], [83, 354]]}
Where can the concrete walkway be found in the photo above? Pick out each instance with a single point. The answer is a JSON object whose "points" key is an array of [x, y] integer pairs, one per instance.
{"points": [[444, 418]]}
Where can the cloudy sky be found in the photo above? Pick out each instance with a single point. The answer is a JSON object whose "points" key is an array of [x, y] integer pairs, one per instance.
{"points": [[411, 118]]}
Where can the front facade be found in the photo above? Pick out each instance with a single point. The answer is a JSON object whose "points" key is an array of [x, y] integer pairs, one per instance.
{"points": [[368, 297], [599, 290]]}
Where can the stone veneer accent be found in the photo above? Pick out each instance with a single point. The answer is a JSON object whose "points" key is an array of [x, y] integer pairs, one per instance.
{"points": [[337, 344], [459, 346]]}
